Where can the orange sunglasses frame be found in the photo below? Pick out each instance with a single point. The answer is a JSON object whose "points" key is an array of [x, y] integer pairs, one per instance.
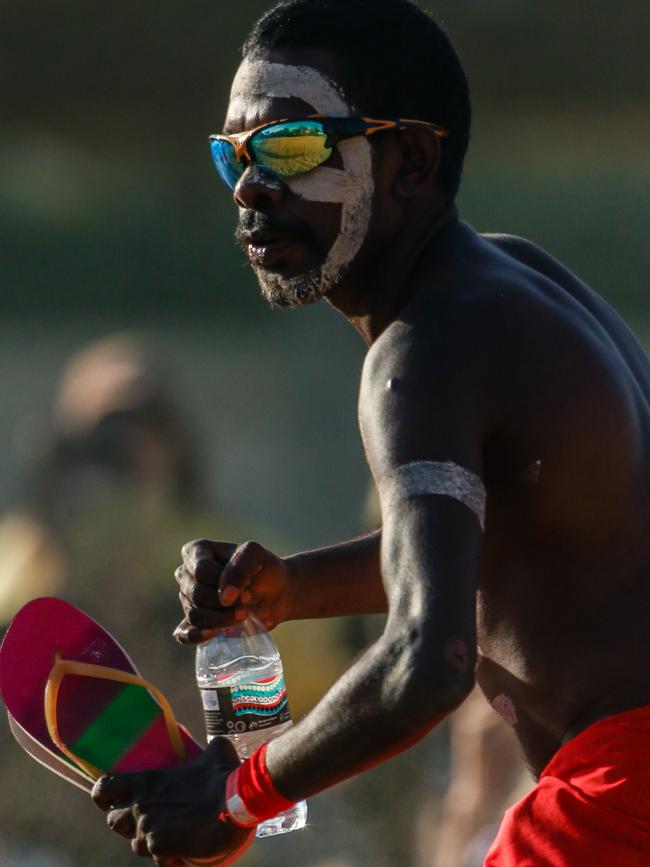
{"points": [[239, 141]]}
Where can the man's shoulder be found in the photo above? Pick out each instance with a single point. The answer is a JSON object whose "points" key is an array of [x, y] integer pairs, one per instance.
{"points": [[435, 357], [495, 293], [456, 325], [500, 306]]}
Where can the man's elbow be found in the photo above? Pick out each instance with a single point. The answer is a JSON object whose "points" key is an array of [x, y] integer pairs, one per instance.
{"points": [[438, 691], [431, 685], [452, 690]]}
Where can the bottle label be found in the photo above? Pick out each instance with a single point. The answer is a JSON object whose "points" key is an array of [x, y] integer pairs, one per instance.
{"points": [[247, 707]]}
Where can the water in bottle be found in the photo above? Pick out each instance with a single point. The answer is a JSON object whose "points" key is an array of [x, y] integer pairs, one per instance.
{"points": [[239, 673]]}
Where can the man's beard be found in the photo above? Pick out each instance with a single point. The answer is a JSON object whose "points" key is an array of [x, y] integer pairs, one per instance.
{"points": [[283, 292], [296, 291]]}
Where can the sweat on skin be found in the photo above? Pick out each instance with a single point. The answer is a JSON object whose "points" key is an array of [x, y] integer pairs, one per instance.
{"points": [[352, 187]]}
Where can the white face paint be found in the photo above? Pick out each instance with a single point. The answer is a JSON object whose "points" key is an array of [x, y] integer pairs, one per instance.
{"points": [[352, 186], [260, 79], [323, 185]]}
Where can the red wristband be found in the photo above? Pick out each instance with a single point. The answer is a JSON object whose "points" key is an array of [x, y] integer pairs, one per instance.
{"points": [[251, 796]]}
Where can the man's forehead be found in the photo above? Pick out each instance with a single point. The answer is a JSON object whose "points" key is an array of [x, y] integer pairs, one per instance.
{"points": [[259, 81]]}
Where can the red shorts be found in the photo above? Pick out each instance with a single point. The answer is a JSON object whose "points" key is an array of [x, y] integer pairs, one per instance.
{"points": [[591, 807]]}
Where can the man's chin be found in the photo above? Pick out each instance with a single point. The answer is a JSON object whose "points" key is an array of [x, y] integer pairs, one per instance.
{"points": [[283, 292]]}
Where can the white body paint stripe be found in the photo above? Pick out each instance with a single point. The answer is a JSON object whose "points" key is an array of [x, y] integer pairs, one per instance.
{"points": [[435, 477], [260, 78]]}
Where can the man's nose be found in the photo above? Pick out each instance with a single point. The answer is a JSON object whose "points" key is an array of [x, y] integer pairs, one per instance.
{"points": [[256, 185]]}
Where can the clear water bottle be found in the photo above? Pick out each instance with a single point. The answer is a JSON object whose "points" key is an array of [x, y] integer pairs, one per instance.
{"points": [[239, 674]]}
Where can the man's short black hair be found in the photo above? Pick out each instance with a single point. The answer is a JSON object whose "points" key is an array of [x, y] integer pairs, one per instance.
{"points": [[394, 61]]}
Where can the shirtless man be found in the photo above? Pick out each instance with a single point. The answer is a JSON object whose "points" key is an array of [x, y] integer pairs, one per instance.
{"points": [[504, 413]]}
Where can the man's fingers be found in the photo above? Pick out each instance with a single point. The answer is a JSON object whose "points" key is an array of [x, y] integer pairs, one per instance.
{"points": [[204, 559], [245, 563], [196, 593], [205, 569], [112, 790], [152, 844], [223, 753], [208, 618], [187, 633], [122, 822], [140, 847]]}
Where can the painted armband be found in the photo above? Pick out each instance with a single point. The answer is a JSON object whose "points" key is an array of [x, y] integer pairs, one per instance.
{"points": [[434, 477]]}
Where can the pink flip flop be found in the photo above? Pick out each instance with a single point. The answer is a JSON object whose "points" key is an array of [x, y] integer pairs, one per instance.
{"points": [[77, 704]]}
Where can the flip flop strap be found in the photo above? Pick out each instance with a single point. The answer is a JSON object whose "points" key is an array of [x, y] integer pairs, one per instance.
{"points": [[63, 667]]}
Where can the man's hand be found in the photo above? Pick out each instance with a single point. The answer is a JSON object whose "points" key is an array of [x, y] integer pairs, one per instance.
{"points": [[221, 582], [172, 815]]}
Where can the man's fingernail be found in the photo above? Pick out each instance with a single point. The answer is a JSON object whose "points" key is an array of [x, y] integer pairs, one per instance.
{"points": [[229, 594]]}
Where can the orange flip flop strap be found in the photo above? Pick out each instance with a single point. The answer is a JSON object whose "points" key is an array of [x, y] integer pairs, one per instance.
{"points": [[63, 667]]}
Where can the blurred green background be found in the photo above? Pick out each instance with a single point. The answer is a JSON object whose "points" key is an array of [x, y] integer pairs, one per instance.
{"points": [[112, 218]]}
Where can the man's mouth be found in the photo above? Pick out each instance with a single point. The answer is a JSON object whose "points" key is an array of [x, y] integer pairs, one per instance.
{"points": [[264, 249]]}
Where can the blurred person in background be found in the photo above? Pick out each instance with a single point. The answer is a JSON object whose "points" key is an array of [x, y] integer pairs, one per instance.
{"points": [[113, 486], [117, 444], [499, 394]]}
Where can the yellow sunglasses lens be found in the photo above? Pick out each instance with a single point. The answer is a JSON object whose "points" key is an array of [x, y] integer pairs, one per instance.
{"points": [[291, 148]]}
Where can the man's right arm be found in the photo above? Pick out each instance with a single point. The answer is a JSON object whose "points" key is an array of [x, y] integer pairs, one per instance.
{"points": [[220, 582], [338, 580]]}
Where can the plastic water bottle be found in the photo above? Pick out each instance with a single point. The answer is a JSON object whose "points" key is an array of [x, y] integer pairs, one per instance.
{"points": [[240, 677]]}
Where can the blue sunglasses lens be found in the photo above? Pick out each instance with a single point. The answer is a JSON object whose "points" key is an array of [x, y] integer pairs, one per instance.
{"points": [[284, 149], [223, 156]]}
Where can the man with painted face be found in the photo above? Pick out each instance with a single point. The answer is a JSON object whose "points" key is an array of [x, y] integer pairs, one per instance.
{"points": [[504, 409]]}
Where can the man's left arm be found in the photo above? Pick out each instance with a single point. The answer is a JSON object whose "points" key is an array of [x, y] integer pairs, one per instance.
{"points": [[423, 436]]}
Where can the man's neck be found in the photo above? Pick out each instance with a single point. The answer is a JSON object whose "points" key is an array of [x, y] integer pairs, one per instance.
{"points": [[371, 303]]}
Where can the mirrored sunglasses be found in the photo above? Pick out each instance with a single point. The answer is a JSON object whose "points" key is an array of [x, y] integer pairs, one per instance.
{"points": [[292, 147]]}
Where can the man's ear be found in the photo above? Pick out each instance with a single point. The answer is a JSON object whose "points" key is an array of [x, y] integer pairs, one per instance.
{"points": [[420, 157]]}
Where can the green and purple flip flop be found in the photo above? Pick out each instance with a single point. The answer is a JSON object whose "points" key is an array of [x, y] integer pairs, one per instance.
{"points": [[77, 704]]}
